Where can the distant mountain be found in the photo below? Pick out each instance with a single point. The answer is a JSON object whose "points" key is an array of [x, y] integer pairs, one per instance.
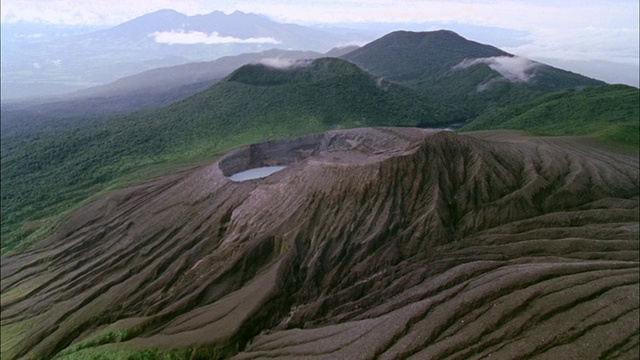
{"points": [[219, 28], [148, 89], [341, 51], [162, 38], [453, 71], [163, 80], [203, 36]]}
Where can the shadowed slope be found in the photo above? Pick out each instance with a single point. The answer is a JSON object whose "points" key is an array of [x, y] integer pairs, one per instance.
{"points": [[409, 56], [384, 242], [431, 58], [463, 76]]}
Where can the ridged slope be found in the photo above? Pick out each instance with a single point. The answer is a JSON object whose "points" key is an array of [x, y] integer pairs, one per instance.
{"points": [[383, 242]]}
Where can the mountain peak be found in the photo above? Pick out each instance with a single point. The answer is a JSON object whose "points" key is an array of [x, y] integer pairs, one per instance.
{"points": [[164, 14], [441, 41], [403, 55], [441, 32], [445, 66], [165, 19], [217, 12]]}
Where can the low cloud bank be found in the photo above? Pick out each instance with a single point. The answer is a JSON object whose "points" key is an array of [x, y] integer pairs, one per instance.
{"points": [[197, 37], [512, 68], [278, 63]]}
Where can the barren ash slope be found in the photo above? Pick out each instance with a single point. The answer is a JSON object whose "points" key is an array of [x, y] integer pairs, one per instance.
{"points": [[386, 243]]}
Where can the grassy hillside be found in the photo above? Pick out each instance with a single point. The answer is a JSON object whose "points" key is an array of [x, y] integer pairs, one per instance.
{"points": [[611, 113], [45, 175]]}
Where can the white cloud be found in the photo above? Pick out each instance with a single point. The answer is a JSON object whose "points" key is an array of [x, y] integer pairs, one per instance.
{"points": [[620, 45], [31, 36], [279, 63], [197, 37], [512, 68]]}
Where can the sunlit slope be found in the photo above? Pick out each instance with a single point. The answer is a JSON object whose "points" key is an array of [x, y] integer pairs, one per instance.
{"points": [[609, 112]]}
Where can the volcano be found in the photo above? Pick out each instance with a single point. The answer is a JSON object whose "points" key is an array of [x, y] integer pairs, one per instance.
{"points": [[386, 243]]}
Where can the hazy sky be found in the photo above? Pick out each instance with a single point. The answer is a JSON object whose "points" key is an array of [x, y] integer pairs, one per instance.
{"points": [[570, 30]]}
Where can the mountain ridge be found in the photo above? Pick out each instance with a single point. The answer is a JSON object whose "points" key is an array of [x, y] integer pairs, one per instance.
{"points": [[237, 24]]}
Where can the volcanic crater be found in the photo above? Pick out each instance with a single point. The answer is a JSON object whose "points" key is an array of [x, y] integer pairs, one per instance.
{"points": [[344, 147], [386, 243]]}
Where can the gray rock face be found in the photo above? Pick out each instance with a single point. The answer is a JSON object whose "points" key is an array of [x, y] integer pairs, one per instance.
{"points": [[372, 243], [271, 153]]}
